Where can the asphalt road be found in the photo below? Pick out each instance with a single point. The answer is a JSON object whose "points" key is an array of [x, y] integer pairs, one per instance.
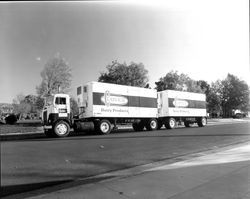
{"points": [[30, 164]]}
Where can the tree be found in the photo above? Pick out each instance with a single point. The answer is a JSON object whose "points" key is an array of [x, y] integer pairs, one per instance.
{"points": [[29, 105], [56, 74], [214, 98], [234, 95], [132, 75], [39, 103], [21, 106], [205, 87], [228, 94], [36, 103], [31, 100], [180, 82]]}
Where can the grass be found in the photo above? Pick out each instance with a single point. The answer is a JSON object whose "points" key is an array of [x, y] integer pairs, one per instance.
{"points": [[7, 129]]}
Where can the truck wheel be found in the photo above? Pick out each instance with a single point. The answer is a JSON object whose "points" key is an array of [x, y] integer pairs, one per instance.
{"points": [[187, 124], [151, 125], [104, 127], [61, 129], [170, 123], [202, 121]]}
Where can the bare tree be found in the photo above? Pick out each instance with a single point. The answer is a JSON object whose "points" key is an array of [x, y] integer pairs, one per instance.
{"points": [[56, 74]]}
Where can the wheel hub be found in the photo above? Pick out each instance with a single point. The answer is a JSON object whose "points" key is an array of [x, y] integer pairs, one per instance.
{"points": [[61, 129], [104, 127], [171, 123], [153, 124]]}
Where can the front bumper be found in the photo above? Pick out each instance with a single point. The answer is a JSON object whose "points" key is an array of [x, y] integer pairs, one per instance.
{"points": [[47, 127]]}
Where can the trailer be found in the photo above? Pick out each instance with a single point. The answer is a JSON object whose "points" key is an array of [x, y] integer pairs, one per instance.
{"points": [[177, 106], [104, 105], [107, 104]]}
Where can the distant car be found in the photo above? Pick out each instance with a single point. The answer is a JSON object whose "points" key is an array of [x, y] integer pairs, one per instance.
{"points": [[238, 114], [11, 119]]}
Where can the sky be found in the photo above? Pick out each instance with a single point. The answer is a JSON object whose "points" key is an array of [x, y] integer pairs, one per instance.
{"points": [[205, 39]]}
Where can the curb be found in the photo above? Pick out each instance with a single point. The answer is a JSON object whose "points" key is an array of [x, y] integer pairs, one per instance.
{"points": [[21, 136]]}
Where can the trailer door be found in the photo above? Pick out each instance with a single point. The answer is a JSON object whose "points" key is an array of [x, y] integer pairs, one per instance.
{"points": [[159, 103]]}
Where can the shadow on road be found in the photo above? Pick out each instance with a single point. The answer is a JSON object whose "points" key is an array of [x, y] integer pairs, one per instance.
{"points": [[28, 190], [16, 189]]}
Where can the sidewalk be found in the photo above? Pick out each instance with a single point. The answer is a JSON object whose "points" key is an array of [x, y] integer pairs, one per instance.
{"points": [[224, 174]]}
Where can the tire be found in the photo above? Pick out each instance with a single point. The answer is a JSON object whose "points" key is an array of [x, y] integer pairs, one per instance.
{"points": [[187, 124], [104, 127], [152, 125], [170, 123], [61, 129], [202, 122], [138, 126]]}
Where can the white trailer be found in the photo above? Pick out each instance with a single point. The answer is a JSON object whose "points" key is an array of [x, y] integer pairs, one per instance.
{"points": [[104, 100], [178, 106], [108, 104]]}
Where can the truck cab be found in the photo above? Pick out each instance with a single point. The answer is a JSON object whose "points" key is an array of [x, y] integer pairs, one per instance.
{"points": [[56, 115]]}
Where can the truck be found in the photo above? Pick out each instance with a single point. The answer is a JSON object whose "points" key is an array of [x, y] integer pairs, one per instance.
{"points": [[103, 106]]}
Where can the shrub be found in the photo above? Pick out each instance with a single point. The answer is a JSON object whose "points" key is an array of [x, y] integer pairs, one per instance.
{"points": [[11, 119]]}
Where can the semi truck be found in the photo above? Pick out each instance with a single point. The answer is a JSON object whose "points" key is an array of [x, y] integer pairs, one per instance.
{"points": [[103, 106]]}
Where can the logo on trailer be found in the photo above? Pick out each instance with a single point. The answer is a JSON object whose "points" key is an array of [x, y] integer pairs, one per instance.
{"points": [[109, 99], [180, 103]]}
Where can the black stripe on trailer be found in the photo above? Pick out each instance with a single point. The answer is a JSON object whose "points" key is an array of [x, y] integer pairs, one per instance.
{"points": [[132, 101], [173, 103]]}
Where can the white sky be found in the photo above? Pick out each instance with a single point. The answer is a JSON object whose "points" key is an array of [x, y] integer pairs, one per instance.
{"points": [[205, 39], [215, 39]]}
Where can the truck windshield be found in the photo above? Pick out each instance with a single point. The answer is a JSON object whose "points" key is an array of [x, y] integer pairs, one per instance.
{"points": [[60, 100]]}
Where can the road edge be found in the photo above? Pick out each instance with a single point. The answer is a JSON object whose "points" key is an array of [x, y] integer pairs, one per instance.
{"points": [[40, 134]]}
